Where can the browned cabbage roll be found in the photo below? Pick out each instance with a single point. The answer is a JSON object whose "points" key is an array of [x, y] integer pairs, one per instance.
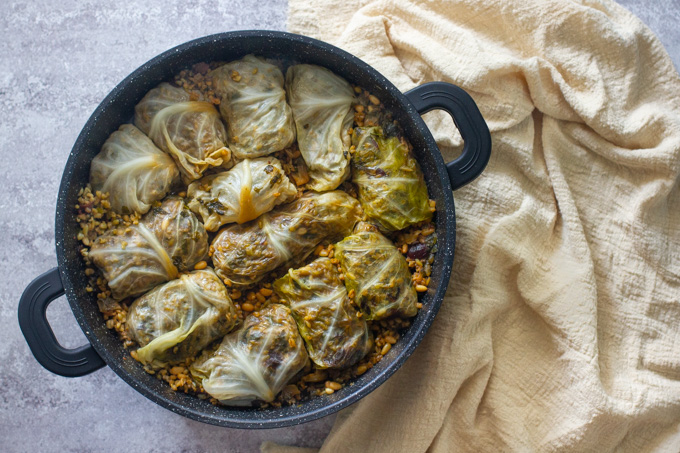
{"points": [[255, 362], [132, 170], [243, 193], [253, 103], [191, 131], [378, 273], [244, 254], [168, 240], [334, 332], [391, 185], [176, 320], [322, 107]]}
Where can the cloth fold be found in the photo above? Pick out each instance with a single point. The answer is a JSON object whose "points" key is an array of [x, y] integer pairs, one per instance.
{"points": [[560, 330]]}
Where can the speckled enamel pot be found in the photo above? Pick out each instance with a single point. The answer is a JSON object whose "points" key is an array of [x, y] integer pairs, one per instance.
{"points": [[106, 349]]}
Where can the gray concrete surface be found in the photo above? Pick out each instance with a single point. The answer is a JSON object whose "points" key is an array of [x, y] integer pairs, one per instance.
{"points": [[59, 60]]}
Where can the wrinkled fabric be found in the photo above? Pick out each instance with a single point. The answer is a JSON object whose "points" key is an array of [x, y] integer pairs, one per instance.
{"points": [[560, 330]]}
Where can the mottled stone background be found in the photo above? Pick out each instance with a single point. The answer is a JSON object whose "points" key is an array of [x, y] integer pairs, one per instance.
{"points": [[58, 61]]}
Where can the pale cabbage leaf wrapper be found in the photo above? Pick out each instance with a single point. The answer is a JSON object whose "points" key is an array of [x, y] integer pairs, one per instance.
{"points": [[255, 362], [192, 132], [176, 320], [243, 193], [253, 104], [245, 253], [334, 332], [378, 273], [132, 170], [391, 186], [169, 239], [322, 108]]}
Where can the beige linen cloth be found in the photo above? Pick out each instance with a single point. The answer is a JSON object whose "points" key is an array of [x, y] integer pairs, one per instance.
{"points": [[560, 330]]}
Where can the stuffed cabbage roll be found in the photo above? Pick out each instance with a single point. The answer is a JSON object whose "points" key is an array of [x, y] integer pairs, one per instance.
{"points": [[322, 107], [391, 186], [334, 331], [192, 132], [177, 320], [378, 273], [253, 103], [256, 362], [243, 193], [132, 170], [244, 254], [169, 239]]}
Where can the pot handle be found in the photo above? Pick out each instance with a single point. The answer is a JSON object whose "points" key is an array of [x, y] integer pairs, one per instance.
{"points": [[41, 340], [469, 121]]}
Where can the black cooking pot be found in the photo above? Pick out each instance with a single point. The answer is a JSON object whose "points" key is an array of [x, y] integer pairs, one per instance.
{"points": [[68, 278]]}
